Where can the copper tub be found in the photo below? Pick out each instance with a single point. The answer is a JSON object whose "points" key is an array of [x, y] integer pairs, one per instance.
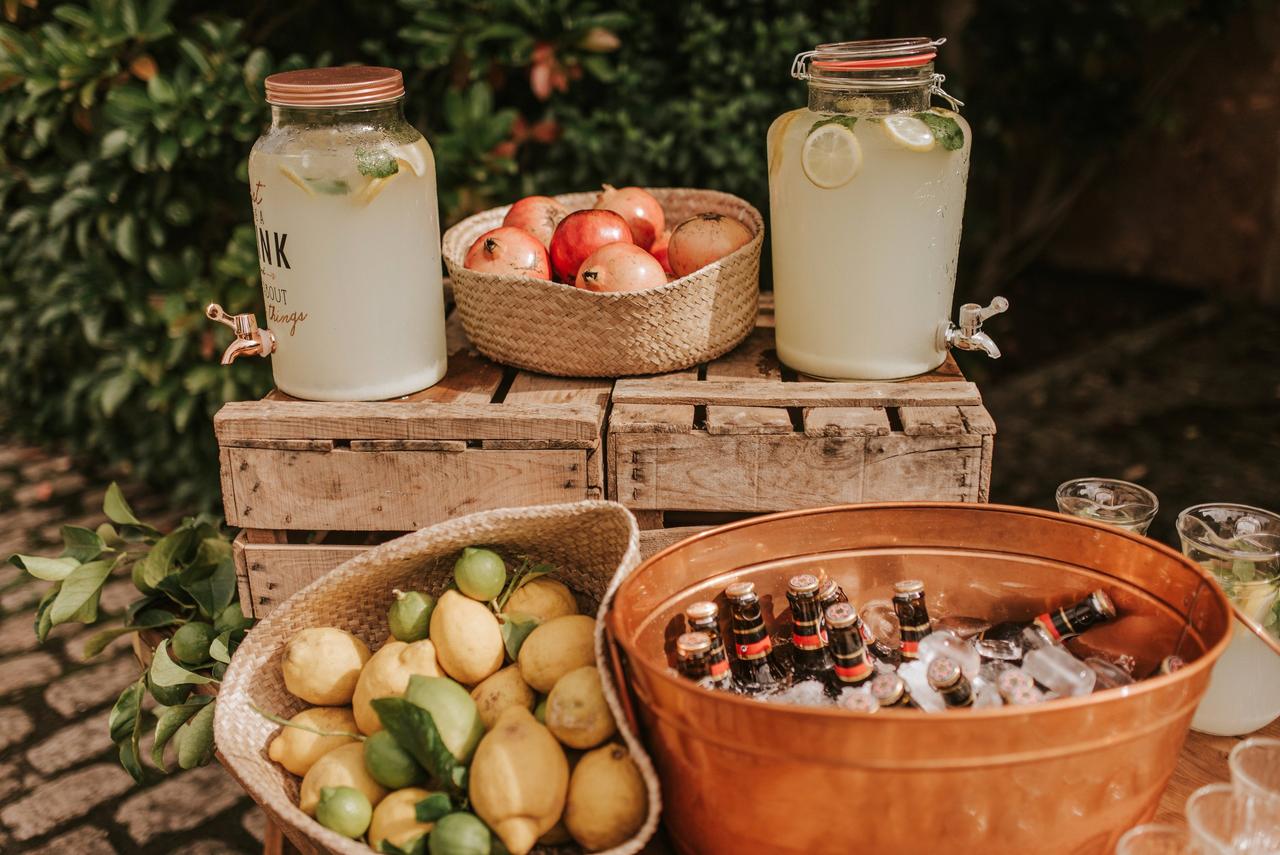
{"points": [[741, 776]]}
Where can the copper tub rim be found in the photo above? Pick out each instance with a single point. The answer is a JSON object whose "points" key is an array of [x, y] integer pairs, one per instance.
{"points": [[1206, 660]]}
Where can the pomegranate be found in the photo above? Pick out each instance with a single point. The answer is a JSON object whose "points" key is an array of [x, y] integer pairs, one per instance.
{"points": [[537, 215], [508, 251], [620, 267], [580, 234], [659, 250], [638, 207], [702, 239]]}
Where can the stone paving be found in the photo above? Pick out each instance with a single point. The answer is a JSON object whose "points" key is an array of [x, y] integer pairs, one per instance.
{"points": [[61, 788]]}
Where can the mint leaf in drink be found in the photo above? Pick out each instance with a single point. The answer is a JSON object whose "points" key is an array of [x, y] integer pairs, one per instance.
{"points": [[329, 186], [946, 130], [376, 162], [845, 121]]}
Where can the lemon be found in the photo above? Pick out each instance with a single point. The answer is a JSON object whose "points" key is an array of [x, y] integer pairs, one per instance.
{"points": [[544, 599], [499, 691], [389, 764], [607, 801], [298, 750], [386, 675], [909, 132], [577, 713], [831, 155], [322, 664], [555, 648], [467, 637], [481, 574], [345, 810], [341, 767], [395, 819], [519, 780]]}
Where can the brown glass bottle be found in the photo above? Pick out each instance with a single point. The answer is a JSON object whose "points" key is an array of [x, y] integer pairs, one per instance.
{"points": [[810, 658], [693, 656], [704, 616], [851, 664], [1060, 624], [754, 665], [890, 690], [913, 617], [946, 678]]}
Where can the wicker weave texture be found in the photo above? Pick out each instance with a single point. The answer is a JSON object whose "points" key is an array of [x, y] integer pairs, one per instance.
{"points": [[594, 544], [551, 328]]}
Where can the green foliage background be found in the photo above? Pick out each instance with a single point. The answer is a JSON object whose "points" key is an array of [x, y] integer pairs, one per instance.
{"points": [[125, 126]]}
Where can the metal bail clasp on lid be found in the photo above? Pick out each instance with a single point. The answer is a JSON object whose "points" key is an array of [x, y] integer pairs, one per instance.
{"points": [[875, 53]]}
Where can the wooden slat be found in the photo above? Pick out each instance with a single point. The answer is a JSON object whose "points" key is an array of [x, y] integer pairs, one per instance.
{"points": [[923, 468], [382, 420], [454, 445], [978, 420], [755, 358], [653, 541], [540, 390], [273, 572], [651, 418], [289, 444], [393, 490], [846, 421], [931, 421], [753, 393], [984, 471]]}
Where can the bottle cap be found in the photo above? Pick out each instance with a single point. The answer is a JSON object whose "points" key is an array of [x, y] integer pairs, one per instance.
{"points": [[702, 610], [908, 586], [343, 86], [828, 589], [859, 702], [692, 643], [943, 673], [888, 689], [805, 583], [1103, 603], [740, 590], [840, 615]]}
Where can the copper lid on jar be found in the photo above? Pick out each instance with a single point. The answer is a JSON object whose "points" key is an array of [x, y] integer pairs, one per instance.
{"points": [[343, 86]]}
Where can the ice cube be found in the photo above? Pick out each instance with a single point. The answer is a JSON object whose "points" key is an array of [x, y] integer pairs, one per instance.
{"points": [[1056, 669], [1033, 638], [806, 693], [964, 627], [948, 644], [1109, 676], [985, 694], [990, 648], [882, 620], [915, 675]]}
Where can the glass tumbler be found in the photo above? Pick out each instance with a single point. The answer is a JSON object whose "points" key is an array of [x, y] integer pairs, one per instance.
{"points": [[1255, 776], [1154, 839], [1223, 823], [1118, 503]]}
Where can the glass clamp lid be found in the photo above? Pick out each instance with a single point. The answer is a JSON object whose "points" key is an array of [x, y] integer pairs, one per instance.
{"points": [[874, 64]]}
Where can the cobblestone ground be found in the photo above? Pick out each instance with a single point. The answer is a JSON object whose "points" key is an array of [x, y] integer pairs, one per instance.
{"points": [[61, 789]]}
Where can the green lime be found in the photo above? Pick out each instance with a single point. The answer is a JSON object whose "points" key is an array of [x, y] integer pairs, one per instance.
{"points": [[389, 764], [410, 615], [460, 834], [169, 696], [190, 644], [480, 573], [540, 711], [452, 710], [230, 619], [345, 810]]}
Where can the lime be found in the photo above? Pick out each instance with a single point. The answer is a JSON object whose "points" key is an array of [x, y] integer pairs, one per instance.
{"points": [[169, 695], [909, 132], [410, 615], [389, 764], [230, 619], [345, 810], [452, 709], [831, 155], [190, 644], [480, 573], [540, 711], [460, 834]]}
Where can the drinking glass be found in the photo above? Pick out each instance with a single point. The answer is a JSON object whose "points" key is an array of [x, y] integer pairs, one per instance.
{"points": [[1154, 839], [1118, 503], [1223, 823], [1255, 776]]}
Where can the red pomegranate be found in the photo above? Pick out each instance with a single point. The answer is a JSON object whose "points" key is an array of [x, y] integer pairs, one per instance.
{"points": [[537, 215], [580, 234], [508, 251], [620, 267], [702, 239], [639, 208]]}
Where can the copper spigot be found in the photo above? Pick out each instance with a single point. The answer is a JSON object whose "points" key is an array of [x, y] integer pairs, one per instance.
{"points": [[250, 340]]}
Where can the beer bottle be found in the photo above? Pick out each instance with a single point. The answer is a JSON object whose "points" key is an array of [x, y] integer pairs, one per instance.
{"points": [[693, 656], [913, 617], [808, 637], [1013, 681], [704, 616], [949, 681], [754, 666], [890, 690], [1060, 624], [1168, 665], [850, 662]]}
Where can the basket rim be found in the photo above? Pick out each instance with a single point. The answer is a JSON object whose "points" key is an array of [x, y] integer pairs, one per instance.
{"points": [[757, 238]]}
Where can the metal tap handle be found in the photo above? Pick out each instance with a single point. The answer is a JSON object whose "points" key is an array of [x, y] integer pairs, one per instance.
{"points": [[972, 315], [214, 312]]}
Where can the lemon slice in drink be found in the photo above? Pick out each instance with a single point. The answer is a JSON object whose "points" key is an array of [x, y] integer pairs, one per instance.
{"points": [[831, 155], [909, 132]]}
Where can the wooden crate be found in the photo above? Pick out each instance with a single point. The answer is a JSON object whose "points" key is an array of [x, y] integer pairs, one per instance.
{"points": [[313, 484], [745, 435]]}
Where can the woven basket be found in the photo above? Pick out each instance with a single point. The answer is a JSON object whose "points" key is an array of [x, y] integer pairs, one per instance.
{"points": [[594, 544], [558, 329]]}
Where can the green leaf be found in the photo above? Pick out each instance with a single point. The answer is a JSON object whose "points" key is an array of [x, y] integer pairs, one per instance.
{"points": [[284, 722], [43, 623], [195, 739], [433, 807], [160, 90], [515, 629], [78, 597], [117, 509], [149, 619], [165, 672], [847, 122], [220, 648], [376, 162], [169, 720], [127, 241], [81, 544], [167, 152], [946, 130], [115, 391], [125, 725], [165, 557], [415, 730], [215, 592], [48, 569], [115, 143], [417, 847]]}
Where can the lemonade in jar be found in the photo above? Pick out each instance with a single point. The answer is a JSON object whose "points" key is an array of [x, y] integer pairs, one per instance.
{"points": [[866, 195], [348, 233]]}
